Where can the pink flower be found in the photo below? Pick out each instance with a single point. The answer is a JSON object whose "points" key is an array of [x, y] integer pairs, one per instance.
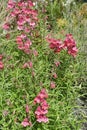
{"points": [[57, 63], [27, 109], [41, 114], [73, 51], [27, 30], [43, 94], [20, 27], [31, 4], [27, 19], [11, 4], [23, 13], [17, 11], [55, 44], [24, 43], [54, 75], [69, 41], [35, 53], [42, 118], [21, 22], [52, 84], [32, 24], [25, 65], [26, 122], [44, 105], [13, 14], [34, 13], [1, 65], [6, 26], [70, 45], [42, 109], [24, 18], [19, 40], [30, 64], [7, 36], [37, 100]]}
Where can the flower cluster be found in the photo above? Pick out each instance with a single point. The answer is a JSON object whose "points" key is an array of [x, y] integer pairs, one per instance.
{"points": [[1, 63], [26, 122], [55, 44], [23, 43], [42, 109], [52, 84], [24, 16], [6, 26], [58, 45], [70, 44]]}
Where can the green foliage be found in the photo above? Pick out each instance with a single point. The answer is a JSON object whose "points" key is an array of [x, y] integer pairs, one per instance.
{"points": [[18, 87]]}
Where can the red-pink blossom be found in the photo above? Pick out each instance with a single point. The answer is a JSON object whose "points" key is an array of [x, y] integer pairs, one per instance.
{"points": [[37, 100], [42, 109], [44, 105], [7, 36], [26, 122], [11, 4], [19, 40], [55, 44], [52, 84], [27, 30], [25, 65], [21, 22], [35, 53], [24, 17], [42, 95], [6, 26], [73, 51], [27, 108], [42, 118], [57, 63], [1, 65], [70, 45], [54, 75], [23, 43], [31, 4], [17, 11], [32, 24], [20, 27], [28, 65]]}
